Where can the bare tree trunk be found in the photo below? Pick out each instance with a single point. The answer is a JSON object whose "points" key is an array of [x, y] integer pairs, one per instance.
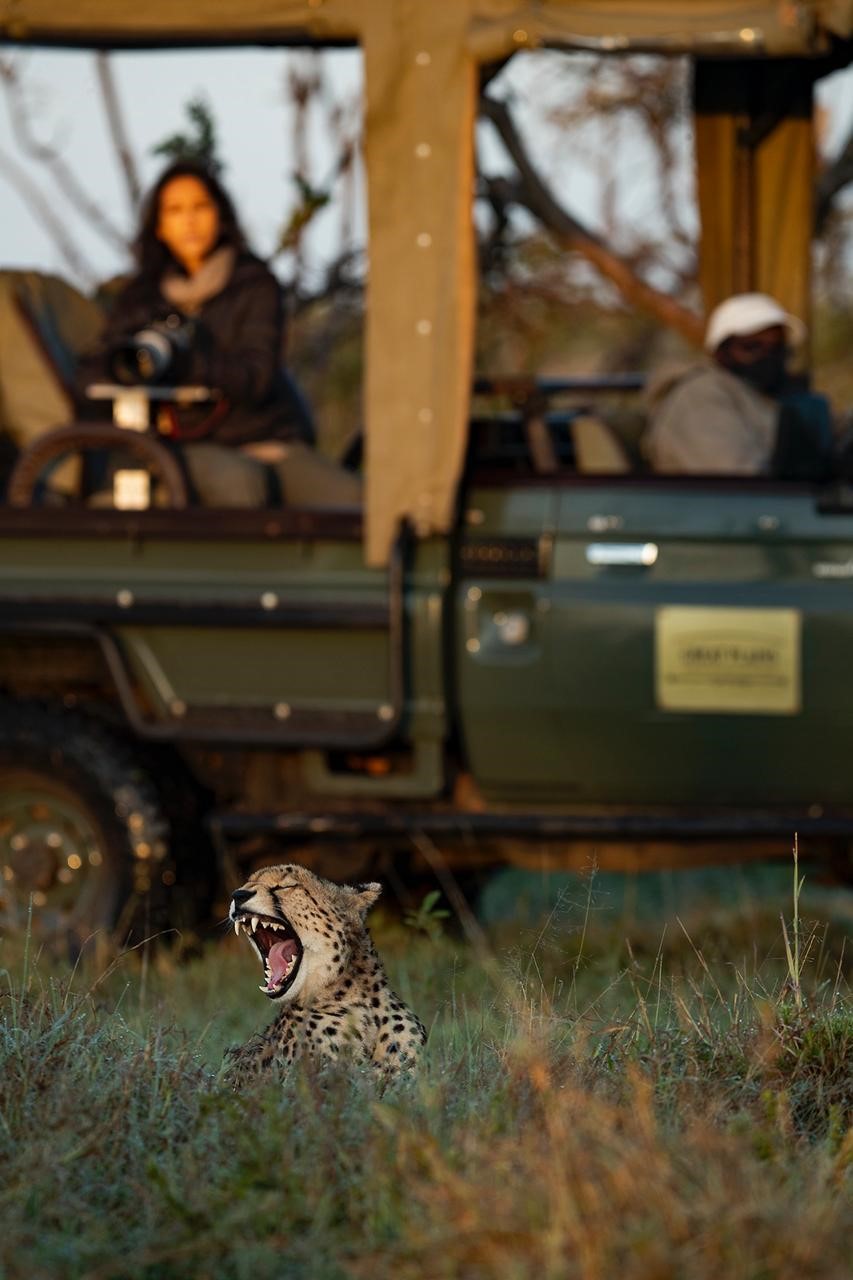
{"points": [[303, 84], [118, 132], [531, 192]]}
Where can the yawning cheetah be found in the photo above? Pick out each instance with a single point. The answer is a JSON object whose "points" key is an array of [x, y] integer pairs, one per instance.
{"points": [[320, 965]]}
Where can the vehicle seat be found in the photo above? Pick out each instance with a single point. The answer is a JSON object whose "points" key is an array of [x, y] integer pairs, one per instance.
{"points": [[304, 477], [598, 449], [44, 322]]}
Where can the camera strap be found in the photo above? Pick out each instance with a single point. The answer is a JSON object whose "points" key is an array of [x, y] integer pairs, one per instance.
{"points": [[169, 423]]}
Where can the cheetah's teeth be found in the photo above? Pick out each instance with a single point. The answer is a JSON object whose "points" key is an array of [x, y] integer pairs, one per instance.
{"points": [[250, 924]]}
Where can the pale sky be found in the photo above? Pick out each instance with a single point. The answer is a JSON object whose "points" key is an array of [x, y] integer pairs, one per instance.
{"points": [[246, 90]]}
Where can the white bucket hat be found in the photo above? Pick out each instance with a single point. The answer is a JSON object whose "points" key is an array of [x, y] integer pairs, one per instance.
{"points": [[747, 313]]}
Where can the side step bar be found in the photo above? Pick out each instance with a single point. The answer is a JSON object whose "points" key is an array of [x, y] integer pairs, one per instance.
{"points": [[229, 825]]}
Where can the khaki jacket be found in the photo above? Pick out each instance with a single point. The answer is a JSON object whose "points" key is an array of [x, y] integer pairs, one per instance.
{"points": [[707, 421]]}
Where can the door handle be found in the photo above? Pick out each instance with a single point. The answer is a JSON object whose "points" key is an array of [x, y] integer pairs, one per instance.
{"points": [[641, 554]]}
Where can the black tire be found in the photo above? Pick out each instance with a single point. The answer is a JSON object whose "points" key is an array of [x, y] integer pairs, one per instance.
{"points": [[82, 833], [186, 803]]}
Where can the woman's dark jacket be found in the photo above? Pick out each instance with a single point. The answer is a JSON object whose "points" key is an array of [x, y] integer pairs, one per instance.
{"points": [[236, 348]]}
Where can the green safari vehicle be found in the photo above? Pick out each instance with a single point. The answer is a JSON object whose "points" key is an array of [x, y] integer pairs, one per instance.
{"points": [[519, 650]]}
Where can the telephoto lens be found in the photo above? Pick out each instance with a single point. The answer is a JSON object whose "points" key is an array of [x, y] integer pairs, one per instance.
{"points": [[152, 355], [141, 357]]}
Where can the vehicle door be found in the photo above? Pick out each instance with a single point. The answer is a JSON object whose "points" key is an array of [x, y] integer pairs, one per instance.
{"points": [[701, 631]]}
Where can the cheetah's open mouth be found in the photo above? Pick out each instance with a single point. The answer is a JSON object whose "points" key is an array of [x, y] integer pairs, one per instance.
{"points": [[278, 948]]}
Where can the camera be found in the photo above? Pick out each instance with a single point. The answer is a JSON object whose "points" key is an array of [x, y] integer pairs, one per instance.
{"points": [[156, 354]]}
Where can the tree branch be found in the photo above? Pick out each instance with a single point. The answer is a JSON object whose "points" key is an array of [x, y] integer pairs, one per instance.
{"points": [[834, 178], [531, 192], [61, 173], [118, 132]]}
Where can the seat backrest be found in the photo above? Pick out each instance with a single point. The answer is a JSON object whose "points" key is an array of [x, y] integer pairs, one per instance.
{"points": [[44, 323], [598, 449]]}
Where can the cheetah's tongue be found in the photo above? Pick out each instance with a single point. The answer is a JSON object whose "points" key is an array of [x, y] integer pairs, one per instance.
{"points": [[279, 959]]}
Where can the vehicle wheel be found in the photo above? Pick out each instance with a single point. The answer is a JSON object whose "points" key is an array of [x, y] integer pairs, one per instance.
{"points": [[83, 842]]}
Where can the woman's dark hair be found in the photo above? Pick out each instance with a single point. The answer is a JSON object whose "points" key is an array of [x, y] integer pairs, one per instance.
{"points": [[152, 256]]}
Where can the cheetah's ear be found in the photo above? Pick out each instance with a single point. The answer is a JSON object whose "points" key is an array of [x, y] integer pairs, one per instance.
{"points": [[364, 896]]}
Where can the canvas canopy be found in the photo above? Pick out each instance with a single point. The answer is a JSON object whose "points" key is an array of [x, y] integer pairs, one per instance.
{"points": [[755, 154], [422, 59], [794, 26]]}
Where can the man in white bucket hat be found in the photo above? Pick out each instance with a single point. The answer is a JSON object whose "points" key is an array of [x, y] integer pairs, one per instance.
{"points": [[721, 415]]}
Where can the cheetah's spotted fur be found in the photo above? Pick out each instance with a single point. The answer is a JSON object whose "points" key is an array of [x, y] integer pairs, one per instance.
{"points": [[320, 964]]}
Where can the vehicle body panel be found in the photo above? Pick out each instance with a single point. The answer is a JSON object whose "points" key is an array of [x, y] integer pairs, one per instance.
{"points": [[287, 640], [590, 675]]}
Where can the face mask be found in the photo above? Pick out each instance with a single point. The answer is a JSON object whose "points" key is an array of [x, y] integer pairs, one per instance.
{"points": [[767, 374]]}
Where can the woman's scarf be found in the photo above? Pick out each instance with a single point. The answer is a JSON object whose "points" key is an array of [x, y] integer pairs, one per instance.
{"points": [[189, 293]]}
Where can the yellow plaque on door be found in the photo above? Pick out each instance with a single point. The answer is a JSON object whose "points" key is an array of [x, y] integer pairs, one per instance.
{"points": [[728, 660]]}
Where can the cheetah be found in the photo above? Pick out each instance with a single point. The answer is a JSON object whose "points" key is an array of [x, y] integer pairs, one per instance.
{"points": [[320, 965]]}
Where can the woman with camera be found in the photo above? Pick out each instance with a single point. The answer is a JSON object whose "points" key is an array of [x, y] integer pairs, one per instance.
{"points": [[203, 310]]}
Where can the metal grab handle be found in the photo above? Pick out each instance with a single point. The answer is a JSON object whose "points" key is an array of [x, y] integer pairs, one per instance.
{"points": [[643, 554]]}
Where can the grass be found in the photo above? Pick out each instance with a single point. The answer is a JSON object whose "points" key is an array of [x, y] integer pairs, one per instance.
{"points": [[605, 1094]]}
